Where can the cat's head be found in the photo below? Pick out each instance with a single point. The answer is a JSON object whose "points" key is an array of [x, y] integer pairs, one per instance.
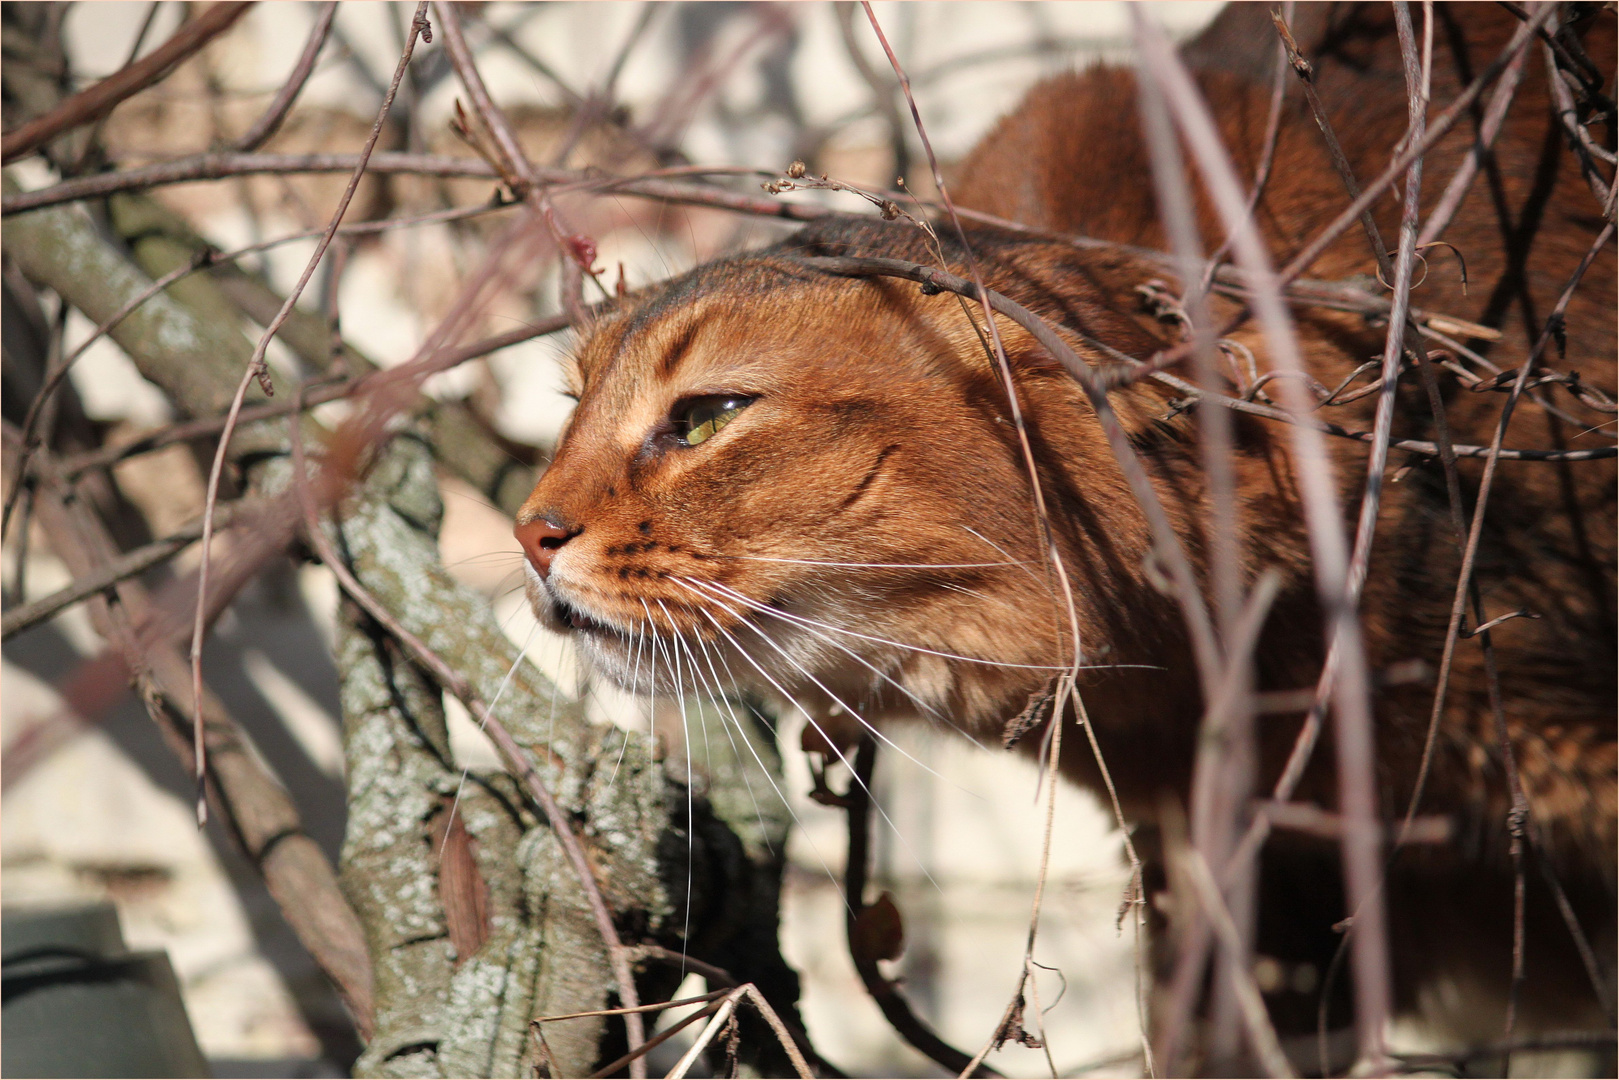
{"points": [[802, 485]]}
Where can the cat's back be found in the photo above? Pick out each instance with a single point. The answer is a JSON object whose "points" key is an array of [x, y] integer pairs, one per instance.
{"points": [[1071, 158]]}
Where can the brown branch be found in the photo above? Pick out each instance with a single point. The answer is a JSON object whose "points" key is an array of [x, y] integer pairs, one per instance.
{"points": [[270, 122], [96, 101], [884, 992], [512, 164]]}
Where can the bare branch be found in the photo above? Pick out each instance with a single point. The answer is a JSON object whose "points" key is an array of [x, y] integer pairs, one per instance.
{"points": [[1495, 113], [96, 101], [1261, 1035], [253, 805], [895, 1009], [1323, 520], [269, 123]]}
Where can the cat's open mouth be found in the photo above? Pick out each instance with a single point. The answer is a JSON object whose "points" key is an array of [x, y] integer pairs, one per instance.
{"points": [[566, 613]]}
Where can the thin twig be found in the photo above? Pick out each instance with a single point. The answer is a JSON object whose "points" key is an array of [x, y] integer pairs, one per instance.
{"points": [[719, 978], [1458, 605], [270, 122], [721, 1017], [882, 92], [895, 1009], [1437, 130], [1410, 446], [254, 806], [800, 1065], [1579, 139], [258, 372], [217, 165], [96, 101], [1267, 154], [1222, 701], [1518, 816], [657, 1006], [59, 371], [1335, 150], [1261, 1035], [1495, 113], [92, 144], [612, 1068], [1224, 765]]}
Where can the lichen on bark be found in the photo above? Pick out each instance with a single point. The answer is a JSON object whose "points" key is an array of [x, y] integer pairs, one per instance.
{"points": [[443, 1014]]}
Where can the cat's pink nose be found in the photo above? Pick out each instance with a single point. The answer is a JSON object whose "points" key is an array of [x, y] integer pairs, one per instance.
{"points": [[541, 539]]}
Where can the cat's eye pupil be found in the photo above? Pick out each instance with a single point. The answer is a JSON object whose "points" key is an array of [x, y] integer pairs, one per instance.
{"points": [[701, 419]]}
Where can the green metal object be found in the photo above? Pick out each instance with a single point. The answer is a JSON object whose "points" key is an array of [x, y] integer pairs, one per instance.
{"points": [[78, 1003]]}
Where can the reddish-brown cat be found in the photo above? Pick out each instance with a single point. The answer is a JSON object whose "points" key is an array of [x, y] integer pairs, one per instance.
{"points": [[814, 483]]}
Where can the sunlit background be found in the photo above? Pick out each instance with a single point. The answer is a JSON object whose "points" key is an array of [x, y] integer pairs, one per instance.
{"points": [[755, 85]]}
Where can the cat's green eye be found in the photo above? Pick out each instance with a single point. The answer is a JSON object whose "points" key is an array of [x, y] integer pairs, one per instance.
{"points": [[701, 418]]}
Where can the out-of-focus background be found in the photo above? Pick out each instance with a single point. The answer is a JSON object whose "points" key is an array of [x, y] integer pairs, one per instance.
{"points": [[108, 815]]}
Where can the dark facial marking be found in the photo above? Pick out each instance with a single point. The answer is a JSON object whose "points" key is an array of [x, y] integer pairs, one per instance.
{"points": [[677, 351], [860, 488]]}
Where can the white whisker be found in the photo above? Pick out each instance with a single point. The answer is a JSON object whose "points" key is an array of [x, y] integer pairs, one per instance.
{"points": [[489, 711], [871, 565], [714, 695], [804, 621], [673, 655], [1023, 563], [930, 710], [868, 725]]}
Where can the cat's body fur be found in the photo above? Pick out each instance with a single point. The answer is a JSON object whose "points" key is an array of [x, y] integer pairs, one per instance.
{"points": [[878, 433]]}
